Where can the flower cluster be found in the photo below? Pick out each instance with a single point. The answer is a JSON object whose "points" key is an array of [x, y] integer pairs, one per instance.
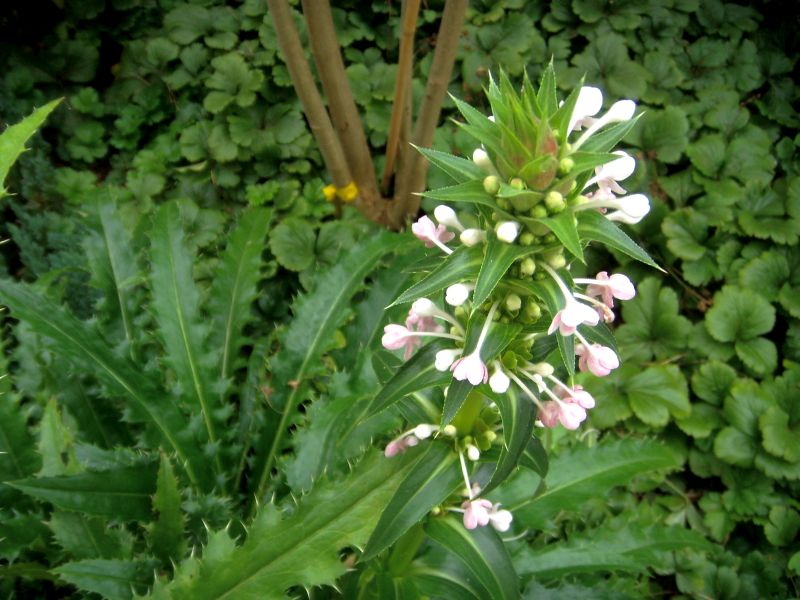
{"points": [[541, 175]]}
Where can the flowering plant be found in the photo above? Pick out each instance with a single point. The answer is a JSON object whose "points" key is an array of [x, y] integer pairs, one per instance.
{"points": [[507, 318]]}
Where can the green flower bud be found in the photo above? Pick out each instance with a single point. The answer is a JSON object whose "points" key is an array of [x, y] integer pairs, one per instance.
{"points": [[554, 202], [539, 212], [513, 302], [556, 261], [533, 310], [491, 184], [449, 430], [527, 239], [517, 183], [527, 266], [565, 165], [503, 203]]}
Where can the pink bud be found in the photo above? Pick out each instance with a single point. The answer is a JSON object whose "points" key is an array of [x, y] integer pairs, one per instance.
{"points": [[476, 513], [600, 360], [394, 336]]}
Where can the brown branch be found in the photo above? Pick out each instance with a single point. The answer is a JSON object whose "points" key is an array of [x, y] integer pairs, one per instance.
{"points": [[401, 85], [344, 114], [303, 81], [411, 179]]}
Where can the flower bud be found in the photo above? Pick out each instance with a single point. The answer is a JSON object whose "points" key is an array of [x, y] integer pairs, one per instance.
{"points": [[423, 431], [445, 358], [517, 183], [499, 382], [527, 239], [533, 310], [554, 202], [565, 165], [424, 308], [507, 231], [456, 294], [544, 369], [556, 260], [539, 212], [491, 184], [513, 302], [447, 216], [449, 430], [471, 237], [480, 158], [527, 266], [473, 453]]}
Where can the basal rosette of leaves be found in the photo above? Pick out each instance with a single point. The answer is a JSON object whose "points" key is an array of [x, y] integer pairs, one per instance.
{"points": [[542, 185]]}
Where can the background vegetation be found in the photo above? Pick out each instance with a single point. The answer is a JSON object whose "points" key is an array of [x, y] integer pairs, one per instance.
{"points": [[181, 115]]}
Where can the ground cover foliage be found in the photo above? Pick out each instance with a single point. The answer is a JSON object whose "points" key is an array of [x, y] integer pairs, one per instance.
{"points": [[180, 161]]}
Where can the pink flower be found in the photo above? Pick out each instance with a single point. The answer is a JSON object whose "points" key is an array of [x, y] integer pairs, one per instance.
{"points": [[471, 368], [476, 513], [429, 233], [572, 315], [396, 337], [400, 445], [607, 288], [600, 360], [570, 415], [577, 395]]}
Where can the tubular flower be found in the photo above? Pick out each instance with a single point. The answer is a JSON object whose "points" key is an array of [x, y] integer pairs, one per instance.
{"points": [[570, 415], [589, 103], [573, 314], [607, 175], [599, 360], [426, 231], [471, 368], [447, 217], [607, 288], [476, 513]]}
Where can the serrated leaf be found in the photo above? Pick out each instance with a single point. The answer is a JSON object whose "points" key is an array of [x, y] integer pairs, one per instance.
{"points": [[176, 302], [482, 552], [498, 259], [87, 537], [433, 478], [292, 243], [82, 347], [18, 457], [469, 192], [657, 393], [298, 550], [739, 315], [417, 373], [665, 134], [123, 493], [235, 286], [759, 354], [628, 549], [12, 140], [712, 381], [784, 523], [460, 169], [309, 335], [166, 533], [462, 265], [582, 473], [112, 579], [564, 227], [594, 226], [735, 447], [778, 437]]}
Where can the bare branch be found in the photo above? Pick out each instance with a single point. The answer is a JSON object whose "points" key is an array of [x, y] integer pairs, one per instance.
{"points": [[411, 179], [402, 84], [344, 114]]}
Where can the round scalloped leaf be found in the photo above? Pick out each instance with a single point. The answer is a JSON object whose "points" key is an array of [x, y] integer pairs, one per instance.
{"points": [[735, 447], [739, 315], [712, 381], [759, 354], [779, 438]]}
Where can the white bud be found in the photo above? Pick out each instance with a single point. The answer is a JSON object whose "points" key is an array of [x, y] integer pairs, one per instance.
{"points": [[473, 453], [480, 158], [447, 216], [621, 110], [632, 209], [423, 431], [457, 294], [424, 308], [445, 358], [471, 237], [544, 369], [499, 382], [449, 430], [507, 231], [411, 441]]}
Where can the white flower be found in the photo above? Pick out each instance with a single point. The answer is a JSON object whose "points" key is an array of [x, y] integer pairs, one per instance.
{"points": [[457, 294], [471, 237], [507, 231], [499, 381], [589, 103], [445, 358]]}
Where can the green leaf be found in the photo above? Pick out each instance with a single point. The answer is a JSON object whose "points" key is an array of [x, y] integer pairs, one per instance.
{"points": [[112, 579], [564, 227], [535, 458], [433, 478], [469, 192], [482, 552], [708, 154], [739, 315], [759, 354], [517, 414], [462, 265], [235, 286], [297, 550], [310, 334], [712, 381], [664, 133], [784, 523], [460, 169], [582, 473], [88, 537], [82, 347], [658, 392], [18, 457], [549, 291], [12, 140], [499, 258], [778, 437], [166, 533], [417, 373], [176, 302], [594, 226], [627, 549], [292, 243], [123, 493]]}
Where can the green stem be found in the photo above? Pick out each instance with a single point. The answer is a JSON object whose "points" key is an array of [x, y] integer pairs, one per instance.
{"points": [[466, 416]]}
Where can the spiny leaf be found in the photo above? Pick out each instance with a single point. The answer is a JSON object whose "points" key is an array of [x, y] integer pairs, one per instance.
{"points": [[176, 301], [309, 335], [12, 140], [462, 265], [18, 456], [469, 192], [300, 550], [86, 350], [84, 537], [460, 169], [594, 226], [235, 285], [166, 533], [112, 579], [499, 258]]}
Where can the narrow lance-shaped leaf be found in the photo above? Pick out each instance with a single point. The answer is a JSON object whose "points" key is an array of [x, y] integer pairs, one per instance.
{"points": [[235, 285], [594, 226], [499, 258], [469, 192], [462, 265], [482, 552], [166, 533], [460, 169], [299, 550], [12, 140], [564, 228], [309, 335], [122, 493], [517, 413], [86, 350], [433, 478], [176, 301]]}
